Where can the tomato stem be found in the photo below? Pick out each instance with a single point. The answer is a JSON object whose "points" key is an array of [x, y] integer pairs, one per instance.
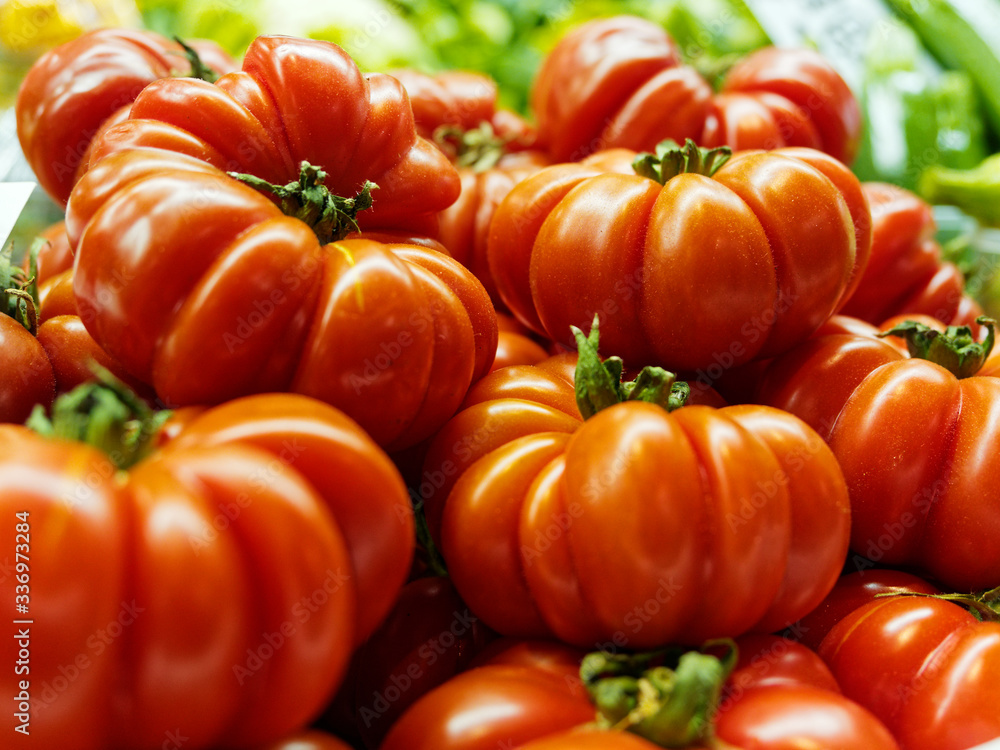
{"points": [[599, 384], [669, 706], [19, 290], [984, 605], [672, 159], [331, 217], [480, 148], [106, 414], [198, 67], [956, 349]]}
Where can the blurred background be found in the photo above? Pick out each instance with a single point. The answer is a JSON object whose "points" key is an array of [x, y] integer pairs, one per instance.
{"points": [[927, 72]]}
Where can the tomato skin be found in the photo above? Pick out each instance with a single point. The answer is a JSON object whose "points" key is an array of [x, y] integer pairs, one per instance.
{"points": [[566, 243], [936, 682], [514, 345], [26, 376], [477, 708], [906, 274], [247, 301], [811, 85], [311, 740], [268, 589], [550, 511], [71, 90], [850, 592], [265, 120], [619, 82], [343, 464]]}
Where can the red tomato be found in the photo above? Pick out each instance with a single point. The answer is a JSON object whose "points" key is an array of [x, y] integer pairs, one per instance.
{"points": [[219, 584], [427, 638], [910, 437], [530, 707], [925, 667], [247, 300], [73, 89], [852, 591], [553, 528], [619, 82], [697, 272], [26, 376], [515, 345], [266, 119], [905, 273]]}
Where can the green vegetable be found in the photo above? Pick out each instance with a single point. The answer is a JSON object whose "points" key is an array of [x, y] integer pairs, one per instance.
{"points": [[964, 34], [975, 191]]}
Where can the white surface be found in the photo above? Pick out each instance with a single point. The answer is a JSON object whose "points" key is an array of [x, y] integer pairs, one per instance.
{"points": [[13, 197]]}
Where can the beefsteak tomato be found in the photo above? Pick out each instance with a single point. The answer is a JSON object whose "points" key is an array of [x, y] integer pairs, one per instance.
{"points": [[692, 261], [72, 91], [235, 297], [214, 590], [621, 529], [620, 82]]}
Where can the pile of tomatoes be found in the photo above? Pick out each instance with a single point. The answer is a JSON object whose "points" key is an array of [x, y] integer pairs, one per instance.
{"points": [[424, 426]]}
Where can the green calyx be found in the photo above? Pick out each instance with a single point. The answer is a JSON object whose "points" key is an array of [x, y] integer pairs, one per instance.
{"points": [[956, 349], [672, 159], [198, 67], [105, 414], [599, 384], [19, 289], [331, 217], [669, 697], [479, 149]]}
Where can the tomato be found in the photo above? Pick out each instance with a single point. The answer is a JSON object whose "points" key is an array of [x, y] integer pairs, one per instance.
{"points": [[266, 119], [521, 706], [620, 82], [462, 100], [248, 300], [690, 273], [354, 476], [479, 708], [852, 591], [491, 147], [55, 253], [73, 89], [905, 273], [428, 637], [219, 584], [26, 376], [926, 667], [909, 435], [515, 345], [556, 529]]}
